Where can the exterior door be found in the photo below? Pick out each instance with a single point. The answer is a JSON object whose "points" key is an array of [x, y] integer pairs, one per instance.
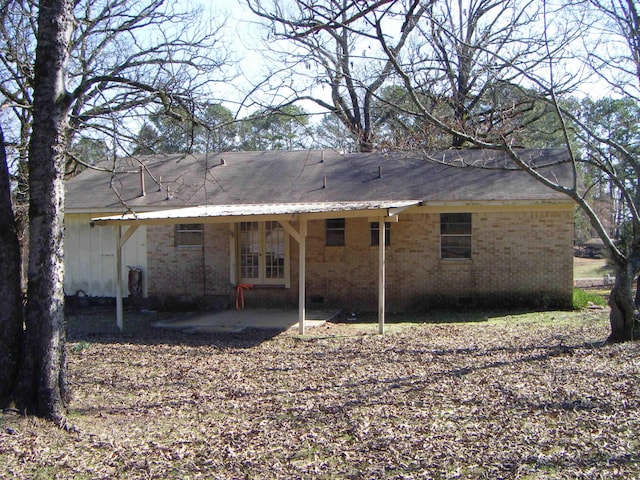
{"points": [[262, 251]]}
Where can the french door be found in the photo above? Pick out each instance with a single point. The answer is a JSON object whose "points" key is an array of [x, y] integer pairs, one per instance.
{"points": [[263, 253]]}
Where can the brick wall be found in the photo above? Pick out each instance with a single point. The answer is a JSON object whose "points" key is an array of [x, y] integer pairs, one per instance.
{"points": [[188, 271], [517, 257]]}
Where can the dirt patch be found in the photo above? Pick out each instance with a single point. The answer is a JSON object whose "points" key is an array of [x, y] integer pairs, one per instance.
{"points": [[515, 398]]}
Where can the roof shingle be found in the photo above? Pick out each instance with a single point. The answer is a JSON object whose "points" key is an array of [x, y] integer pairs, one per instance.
{"points": [[173, 181]]}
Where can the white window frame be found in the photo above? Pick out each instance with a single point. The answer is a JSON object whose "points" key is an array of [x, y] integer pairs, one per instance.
{"points": [[329, 230], [181, 228], [262, 279], [457, 235]]}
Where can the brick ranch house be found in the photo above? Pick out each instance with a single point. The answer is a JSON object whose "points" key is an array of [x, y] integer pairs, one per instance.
{"points": [[197, 226]]}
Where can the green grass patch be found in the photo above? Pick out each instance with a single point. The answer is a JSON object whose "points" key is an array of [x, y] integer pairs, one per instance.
{"points": [[591, 268], [399, 322], [80, 346], [582, 299]]}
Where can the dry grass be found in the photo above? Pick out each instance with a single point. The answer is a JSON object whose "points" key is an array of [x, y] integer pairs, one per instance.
{"points": [[532, 396], [591, 267]]}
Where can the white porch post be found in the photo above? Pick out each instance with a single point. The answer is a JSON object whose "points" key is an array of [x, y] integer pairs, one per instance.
{"points": [[381, 274], [119, 309], [302, 262], [120, 241]]}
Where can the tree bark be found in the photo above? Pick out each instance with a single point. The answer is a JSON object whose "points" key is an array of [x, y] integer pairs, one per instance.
{"points": [[624, 312], [11, 319], [42, 386]]}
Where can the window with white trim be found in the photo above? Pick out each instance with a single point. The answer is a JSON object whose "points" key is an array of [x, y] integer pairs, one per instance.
{"points": [[334, 232], [189, 235], [455, 235], [262, 252]]}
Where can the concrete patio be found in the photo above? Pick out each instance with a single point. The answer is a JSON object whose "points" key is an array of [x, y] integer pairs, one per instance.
{"points": [[231, 321]]}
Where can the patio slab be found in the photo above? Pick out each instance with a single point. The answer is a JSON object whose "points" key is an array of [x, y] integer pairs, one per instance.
{"points": [[238, 320]]}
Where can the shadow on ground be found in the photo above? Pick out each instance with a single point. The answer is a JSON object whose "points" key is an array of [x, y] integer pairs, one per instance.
{"points": [[99, 326]]}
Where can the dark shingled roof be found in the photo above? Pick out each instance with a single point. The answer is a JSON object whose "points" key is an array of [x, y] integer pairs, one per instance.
{"points": [[299, 176]]}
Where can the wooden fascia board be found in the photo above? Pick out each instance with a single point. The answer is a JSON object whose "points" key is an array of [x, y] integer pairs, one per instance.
{"points": [[471, 207]]}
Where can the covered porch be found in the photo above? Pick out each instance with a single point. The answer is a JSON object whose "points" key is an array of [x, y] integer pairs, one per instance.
{"points": [[293, 218]]}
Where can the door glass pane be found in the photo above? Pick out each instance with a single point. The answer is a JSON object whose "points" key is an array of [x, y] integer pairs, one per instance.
{"points": [[249, 250], [274, 250]]}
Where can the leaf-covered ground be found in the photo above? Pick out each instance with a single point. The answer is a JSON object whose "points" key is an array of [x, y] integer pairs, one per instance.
{"points": [[523, 397]]}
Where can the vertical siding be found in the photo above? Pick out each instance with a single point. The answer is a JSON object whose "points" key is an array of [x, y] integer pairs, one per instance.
{"points": [[90, 257]]}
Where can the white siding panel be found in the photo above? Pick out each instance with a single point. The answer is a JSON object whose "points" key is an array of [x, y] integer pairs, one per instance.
{"points": [[90, 258]]}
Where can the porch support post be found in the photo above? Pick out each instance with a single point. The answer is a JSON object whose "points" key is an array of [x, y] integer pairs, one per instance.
{"points": [[302, 263], [381, 274], [120, 241], [119, 309]]}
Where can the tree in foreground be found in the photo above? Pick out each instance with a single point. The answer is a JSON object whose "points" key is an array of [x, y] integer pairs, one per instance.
{"points": [[42, 380], [96, 64], [11, 334]]}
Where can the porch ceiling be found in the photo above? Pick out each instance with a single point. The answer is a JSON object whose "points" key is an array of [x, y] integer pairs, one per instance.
{"points": [[200, 214]]}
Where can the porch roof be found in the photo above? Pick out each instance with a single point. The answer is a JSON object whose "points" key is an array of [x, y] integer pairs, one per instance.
{"points": [[199, 213], [305, 211]]}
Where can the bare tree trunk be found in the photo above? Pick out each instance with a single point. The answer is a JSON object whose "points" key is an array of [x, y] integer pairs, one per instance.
{"points": [[42, 387], [11, 312], [622, 300]]}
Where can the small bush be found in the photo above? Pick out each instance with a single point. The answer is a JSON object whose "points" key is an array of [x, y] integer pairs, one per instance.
{"points": [[582, 299], [79, 347]]}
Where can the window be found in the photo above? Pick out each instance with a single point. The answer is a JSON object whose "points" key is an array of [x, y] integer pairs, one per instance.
{"points": [[455, 235], [375, 233], [262, 248], [334, 232], [189, 235]]}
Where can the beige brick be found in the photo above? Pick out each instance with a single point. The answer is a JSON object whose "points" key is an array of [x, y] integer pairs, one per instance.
{"points": [[513, 253]]}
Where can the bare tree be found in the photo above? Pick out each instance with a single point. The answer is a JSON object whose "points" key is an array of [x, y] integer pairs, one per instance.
{"points": [[127, 59], [467, 52], [326, 44], [462, 53], [11, 312], [457, 54], [42, 382], [96, 65], [612, 50], [617, 157], [549, 89]]}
